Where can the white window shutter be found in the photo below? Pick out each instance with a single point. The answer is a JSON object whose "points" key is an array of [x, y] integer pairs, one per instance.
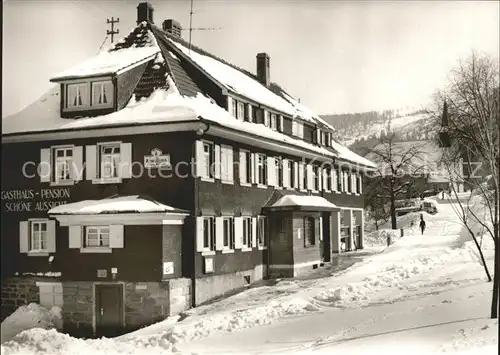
{"points": [[238, 232], [318, 136], [45, 168], [295, 183], [301, 176], [253, 163], [254, 232], [23, 237], [360, 177], [249, 113], [334, 179], [126, 160], [116, 236], [230, 106], [353, 183], [320, 179], [325, 179], [217, 162], [230, 164], [223, 163], [281, 124], [266, 118], [320, 228], [271, 172], [219, 233], [77, 168], [286, 173], [309, 177], [91, 162], [199, 234], [242, 167], [75, 237], [199, 158], [51, 236]]}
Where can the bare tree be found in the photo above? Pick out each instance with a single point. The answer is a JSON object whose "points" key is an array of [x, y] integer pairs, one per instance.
{"points": [[472, 133], [398, 165]]}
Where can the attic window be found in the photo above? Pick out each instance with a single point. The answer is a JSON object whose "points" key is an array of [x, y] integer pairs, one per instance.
{"points": [[77, 95], [102, 93]]}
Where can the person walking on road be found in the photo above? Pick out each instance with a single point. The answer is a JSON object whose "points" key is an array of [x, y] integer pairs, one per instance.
{"points": [[422, 223]]}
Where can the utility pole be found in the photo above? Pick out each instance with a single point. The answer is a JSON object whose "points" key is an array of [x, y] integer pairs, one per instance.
{"points": [[190, 25], [112, 32]]}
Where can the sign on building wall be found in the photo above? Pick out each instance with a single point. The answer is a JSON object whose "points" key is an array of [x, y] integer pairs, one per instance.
{"points": [[30, 200], [168, 268], [157, 160]]}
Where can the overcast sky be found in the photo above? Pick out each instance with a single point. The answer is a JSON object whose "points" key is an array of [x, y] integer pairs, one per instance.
{"points": [[335, 56]]}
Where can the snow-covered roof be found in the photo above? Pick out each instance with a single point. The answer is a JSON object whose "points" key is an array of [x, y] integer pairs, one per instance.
{"points": [[348, 155], [303, 201], [109, 62], [237, 81], [123, 204]]}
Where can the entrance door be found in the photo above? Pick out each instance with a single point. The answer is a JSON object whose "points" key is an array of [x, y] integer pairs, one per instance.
{"points": [[326, 249], [109, 310]]}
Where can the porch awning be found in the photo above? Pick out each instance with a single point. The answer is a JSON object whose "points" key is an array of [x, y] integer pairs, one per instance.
{"points": [[127, 209], [302, 203]]}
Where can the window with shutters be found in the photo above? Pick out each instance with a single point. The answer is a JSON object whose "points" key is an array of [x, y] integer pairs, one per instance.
{"points": [[209, 233], [63, 164], [228, 232], [349, 182], [246, 167], [240, 111], [102, 94], [38, 235], [278, 166], [261, 231], [247, 233], [96, 237], [208, 160], [109, 160], [261, 167], [77, 96], [227, 164], [340, 176], [298, 129]]}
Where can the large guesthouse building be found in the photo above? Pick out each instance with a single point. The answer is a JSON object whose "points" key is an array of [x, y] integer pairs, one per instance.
{"points": [[156, 177]]}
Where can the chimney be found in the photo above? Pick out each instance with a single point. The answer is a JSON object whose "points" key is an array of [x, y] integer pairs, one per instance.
{"points": [[145, 12], [263, 68], [173, 27]]}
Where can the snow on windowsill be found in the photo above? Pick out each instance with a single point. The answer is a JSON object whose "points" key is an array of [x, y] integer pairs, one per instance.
{"points": [[47, 274]]}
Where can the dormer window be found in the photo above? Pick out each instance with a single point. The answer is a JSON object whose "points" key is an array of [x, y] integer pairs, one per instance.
{"points": [[102, 92], [89, 95], [77, 95]]}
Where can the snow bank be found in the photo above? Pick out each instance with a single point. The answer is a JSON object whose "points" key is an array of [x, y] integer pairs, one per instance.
{"points": [[28, 317], [379, 238]]}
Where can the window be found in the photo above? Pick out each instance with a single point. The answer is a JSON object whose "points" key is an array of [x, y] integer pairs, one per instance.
{"points": [[328, 139], [109, 160], [63, 163], [291, 174], [316, 177], [208, 233], [309, 232], [261, 231], [274, 122], [76, 95], [227, 164], [304, 176], [208, 160], [261, 169], [102, 93], [349, 182], [340, 176], [96, 237], [245, 167], [279, 171], [247, 232], [240, 113], [358, 183], [228, 232], [38, 236], [328, 177]]}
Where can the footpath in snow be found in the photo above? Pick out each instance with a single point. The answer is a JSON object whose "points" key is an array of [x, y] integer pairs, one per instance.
{"points": [[425, 292]]}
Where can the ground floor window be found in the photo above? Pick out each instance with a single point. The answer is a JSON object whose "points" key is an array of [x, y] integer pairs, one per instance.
{"points": [[261, 231], [208, 233], [38, 235], [228, 232], [247, 232]]}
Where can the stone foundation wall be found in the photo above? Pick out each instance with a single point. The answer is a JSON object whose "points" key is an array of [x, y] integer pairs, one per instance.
{"points": [[145, 303], [17, 292], [78, 308], [211, 287], [180, 295]]}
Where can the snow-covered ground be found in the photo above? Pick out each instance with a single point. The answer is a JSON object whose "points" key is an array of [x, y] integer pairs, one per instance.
{"points": [[424, 294]]}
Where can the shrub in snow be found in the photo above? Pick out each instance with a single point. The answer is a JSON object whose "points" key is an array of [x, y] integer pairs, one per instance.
{"points": [[28, 317]]}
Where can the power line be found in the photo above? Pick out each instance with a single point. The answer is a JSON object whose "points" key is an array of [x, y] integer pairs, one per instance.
{"points": [[105, 38]]}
